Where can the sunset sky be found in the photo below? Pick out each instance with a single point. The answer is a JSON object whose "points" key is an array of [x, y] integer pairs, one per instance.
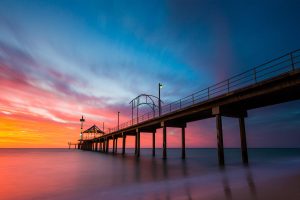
{"points": [[63, 59]]}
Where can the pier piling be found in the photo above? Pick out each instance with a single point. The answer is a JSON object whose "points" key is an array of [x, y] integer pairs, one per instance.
{"points": [[220, 140], [183, 142], [243, 140], [124, 143], [164, 142], [138, 134], [153, 143]]}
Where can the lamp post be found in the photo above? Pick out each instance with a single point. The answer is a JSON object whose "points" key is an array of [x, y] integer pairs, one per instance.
{"points": [[118, 120], [159, 101], [81, 120]]}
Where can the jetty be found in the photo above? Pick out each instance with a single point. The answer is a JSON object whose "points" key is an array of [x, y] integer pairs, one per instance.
{"points": [[276, 81]]}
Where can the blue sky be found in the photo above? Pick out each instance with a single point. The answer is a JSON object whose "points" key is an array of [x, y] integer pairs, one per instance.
{"points": [[101, 54]]}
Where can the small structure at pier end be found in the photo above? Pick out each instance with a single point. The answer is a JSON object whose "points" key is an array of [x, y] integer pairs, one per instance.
{"points": [[91, 134]]}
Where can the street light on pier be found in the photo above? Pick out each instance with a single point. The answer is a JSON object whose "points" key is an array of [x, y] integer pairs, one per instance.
{"points": [[118, 120], [160, 86]]}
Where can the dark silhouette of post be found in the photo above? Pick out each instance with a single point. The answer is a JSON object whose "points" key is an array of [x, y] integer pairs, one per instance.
{"points": [[220, 140], [107, 145], [136, 145], [164, 142], [114, 146], [243, 140], [96, 145], [116, 151], [153, 143], [124, 143], [138, 134], [183, 142]]}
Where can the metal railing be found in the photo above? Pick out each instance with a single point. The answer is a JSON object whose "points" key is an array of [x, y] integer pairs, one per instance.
{"points": [[278, 66]]}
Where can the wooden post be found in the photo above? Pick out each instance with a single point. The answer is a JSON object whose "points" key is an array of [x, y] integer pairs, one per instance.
{"points": [[138, 143], [243, 140], [183, 142], [124, 143], [116, 151], [153, 143], [220, 140], [107, 145], [114, 145], [96, 146], [135, 150], [164, 142]]}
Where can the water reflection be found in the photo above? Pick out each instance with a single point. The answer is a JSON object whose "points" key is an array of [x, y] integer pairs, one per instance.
{"points": [[251, 183], [104, 176], [186, 183], [226, 186], [171, 178]]}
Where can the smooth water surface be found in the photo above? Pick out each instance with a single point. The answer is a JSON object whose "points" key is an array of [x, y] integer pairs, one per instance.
{"points": [[75, 174]]}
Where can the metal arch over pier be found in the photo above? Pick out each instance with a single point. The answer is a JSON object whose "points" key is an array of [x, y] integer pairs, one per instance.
{"points": [[273, 82]]}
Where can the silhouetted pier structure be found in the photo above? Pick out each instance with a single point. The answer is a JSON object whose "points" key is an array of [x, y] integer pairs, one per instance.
{"points": [[273, 82], [70, 144]]}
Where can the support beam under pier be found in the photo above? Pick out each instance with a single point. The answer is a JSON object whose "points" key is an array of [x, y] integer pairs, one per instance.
{"points": [[96, 146], [107, 145], [114, 146], [243, 140], [164, 142], [138, 138], [183, 142], [220, 140], [124, 144], [153, 143], [135, 148]]}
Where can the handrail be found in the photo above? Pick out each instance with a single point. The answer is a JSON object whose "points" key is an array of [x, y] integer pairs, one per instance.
{"points": [[278, 66]]}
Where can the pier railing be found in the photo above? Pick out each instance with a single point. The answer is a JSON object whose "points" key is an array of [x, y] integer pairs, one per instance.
{"points": [[278, 66]]}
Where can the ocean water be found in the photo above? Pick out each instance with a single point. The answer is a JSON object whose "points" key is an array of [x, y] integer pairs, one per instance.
{"points": [[75, 174]]}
